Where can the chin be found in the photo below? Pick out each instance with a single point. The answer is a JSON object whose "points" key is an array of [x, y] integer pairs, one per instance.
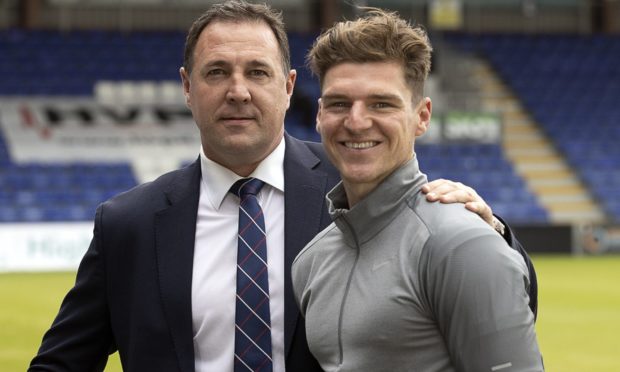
{"points": [[354, 177]]}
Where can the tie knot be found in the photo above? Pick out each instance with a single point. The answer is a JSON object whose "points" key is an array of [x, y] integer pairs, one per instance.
{"points": [[246, 186]]}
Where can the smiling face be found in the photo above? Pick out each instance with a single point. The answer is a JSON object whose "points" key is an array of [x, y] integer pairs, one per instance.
{"points": [[238, 93], [368, 121]]}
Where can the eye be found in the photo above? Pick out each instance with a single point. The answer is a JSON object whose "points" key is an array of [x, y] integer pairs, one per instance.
{"points": [[215, 72], [258, 73], [381, 105], [338, 104]]}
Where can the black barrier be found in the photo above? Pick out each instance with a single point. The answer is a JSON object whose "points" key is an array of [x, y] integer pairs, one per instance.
{"points": [[546, 238]]}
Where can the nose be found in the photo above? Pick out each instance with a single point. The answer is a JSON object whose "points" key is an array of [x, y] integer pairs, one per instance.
{"points": [[357, 118], [238, 91]]}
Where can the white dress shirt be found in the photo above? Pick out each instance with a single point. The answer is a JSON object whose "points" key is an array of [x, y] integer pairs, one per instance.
{"points": [[215, 262]]}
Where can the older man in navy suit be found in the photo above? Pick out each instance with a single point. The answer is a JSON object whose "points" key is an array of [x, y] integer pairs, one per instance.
{"points": [[158, 282]]}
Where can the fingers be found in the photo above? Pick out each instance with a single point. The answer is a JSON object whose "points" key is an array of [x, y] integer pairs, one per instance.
{"points": [[447, 197], [482, 209], [446, 191], [429, 187]]}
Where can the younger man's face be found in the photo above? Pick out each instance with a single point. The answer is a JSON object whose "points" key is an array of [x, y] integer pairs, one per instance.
{"points": [[368, 121]]}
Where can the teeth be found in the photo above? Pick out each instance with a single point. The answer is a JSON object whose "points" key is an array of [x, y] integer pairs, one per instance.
{"points": [[360, 145]]}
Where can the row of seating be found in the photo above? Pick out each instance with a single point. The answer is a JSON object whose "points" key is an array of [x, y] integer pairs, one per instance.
{"points": [[70, 63], [485, 168], [38, 192]]}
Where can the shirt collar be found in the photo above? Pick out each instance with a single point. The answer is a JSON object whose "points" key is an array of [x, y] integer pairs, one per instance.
{"points": [[218, 179]]}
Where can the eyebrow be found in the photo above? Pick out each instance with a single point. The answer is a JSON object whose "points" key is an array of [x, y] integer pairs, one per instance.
{"points": [[376, 97], [223, 63], [217, 62], [259, 63]]}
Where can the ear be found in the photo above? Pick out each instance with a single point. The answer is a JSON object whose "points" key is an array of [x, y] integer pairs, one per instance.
{"points": [[290, 85], [424, 112], [318, 116], [186, 86]]}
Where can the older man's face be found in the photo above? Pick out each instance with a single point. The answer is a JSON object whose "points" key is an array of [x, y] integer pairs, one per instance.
{"points": [[237, 93]]}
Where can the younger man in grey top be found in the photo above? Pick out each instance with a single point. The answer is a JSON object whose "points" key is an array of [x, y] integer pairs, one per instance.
{"points": [[397, 283], [400, 284]]}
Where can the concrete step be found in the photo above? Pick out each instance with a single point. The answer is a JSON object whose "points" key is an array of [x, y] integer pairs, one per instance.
{"points": [[496, 104], [524, 136], [554, 182], [566, 188], [538, 157], [576, 217], [584, 205], [520, 130], [569, 198], [545, 171], [517, 116], [518, 152]]}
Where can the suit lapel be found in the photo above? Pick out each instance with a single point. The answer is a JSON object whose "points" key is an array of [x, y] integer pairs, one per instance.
{"points": [[304, 190], [175, 230]]}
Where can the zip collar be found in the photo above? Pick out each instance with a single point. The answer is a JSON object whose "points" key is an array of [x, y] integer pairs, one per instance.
{"points": [[373, 213]]}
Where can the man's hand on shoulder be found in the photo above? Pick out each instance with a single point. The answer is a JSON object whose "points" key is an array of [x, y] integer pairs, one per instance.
{"points": [[446, 191]]}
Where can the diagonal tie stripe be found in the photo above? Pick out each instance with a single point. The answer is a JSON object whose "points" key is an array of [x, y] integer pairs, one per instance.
{"points": [[252, 315], [241, 323], [252, 282], [252, 220], [254, 252]]}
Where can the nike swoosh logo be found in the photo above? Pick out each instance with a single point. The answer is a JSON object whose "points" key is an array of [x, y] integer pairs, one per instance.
{"points": [[381, 264]]}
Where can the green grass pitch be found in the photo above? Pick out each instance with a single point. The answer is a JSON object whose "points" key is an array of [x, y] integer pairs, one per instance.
{"points": [[578, 323]]}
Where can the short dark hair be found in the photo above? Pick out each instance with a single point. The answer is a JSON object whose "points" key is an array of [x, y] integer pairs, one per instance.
{"points": [[377, 36], [239, 11]]}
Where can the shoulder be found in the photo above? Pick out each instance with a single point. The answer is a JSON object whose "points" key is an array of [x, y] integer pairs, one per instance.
{"points": [[444, 218], [314, 147], [309, 153], [318, 254], [460, 237], [324, 237], [450, 222], [316, 248], [154, 195]]}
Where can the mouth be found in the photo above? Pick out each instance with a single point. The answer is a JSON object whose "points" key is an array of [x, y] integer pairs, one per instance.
{"points": [[360, 145], [234, 119]]}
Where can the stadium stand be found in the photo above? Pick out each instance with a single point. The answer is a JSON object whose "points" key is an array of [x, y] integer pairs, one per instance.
{"points": [[58, 64], [569, 84], [486, 169], [70, 64]]}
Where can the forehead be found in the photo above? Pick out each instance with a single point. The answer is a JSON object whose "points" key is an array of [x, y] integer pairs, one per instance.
{"points": [[369, 78], [224, 38]]}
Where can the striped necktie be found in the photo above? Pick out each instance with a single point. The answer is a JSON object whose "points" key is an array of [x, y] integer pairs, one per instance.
{"points": [[252, 317]]}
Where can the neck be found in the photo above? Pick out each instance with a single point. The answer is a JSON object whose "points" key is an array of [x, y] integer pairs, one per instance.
{"points": [[356, 192]]}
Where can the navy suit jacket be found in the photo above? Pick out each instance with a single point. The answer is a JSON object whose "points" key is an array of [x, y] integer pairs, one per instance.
{"points": [[133, 286]]}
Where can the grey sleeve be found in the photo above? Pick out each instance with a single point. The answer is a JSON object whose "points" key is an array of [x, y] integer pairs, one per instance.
{"points": [[299, 274], [477, 290]]}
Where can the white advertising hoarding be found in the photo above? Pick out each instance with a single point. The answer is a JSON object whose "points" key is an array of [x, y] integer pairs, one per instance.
{"points": [[57, 130], [43, 246]]}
